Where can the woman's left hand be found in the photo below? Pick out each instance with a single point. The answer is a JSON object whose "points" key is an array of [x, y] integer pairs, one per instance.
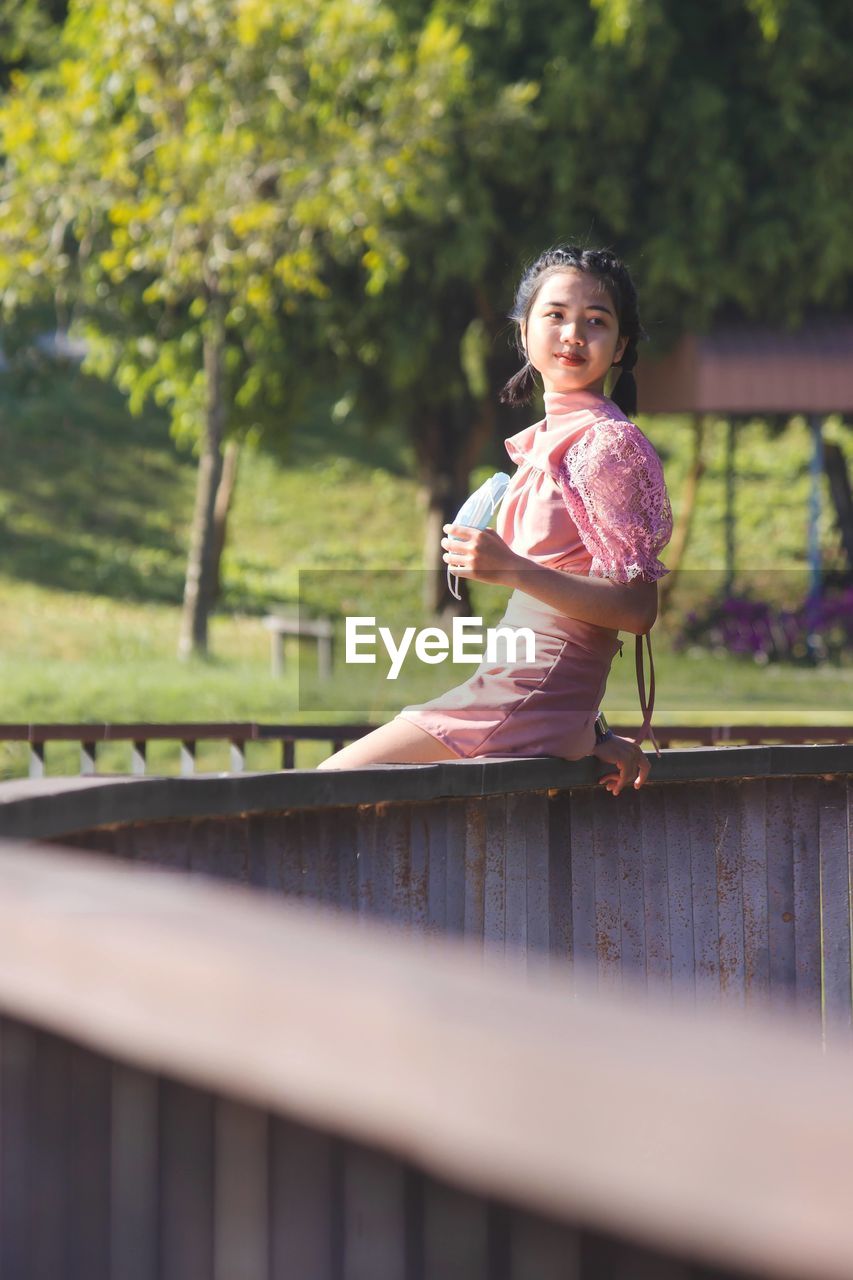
{"points": [[479, 553], [633, 765]]}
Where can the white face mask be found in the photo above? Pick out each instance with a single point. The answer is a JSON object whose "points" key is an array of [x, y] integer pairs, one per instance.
{"points": [[476, 512]]}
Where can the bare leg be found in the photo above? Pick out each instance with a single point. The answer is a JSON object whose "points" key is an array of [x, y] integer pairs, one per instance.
{"points": [[397, 742]]}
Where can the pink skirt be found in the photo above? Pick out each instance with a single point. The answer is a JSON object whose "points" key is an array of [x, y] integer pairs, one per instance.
{"points": [[543, 709]]}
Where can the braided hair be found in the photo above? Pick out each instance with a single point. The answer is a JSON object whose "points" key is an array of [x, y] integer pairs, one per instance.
{"points": [[613, 274]]}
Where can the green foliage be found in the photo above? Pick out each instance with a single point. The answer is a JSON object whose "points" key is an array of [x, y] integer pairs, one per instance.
{"points": [[28, 34], [296, 156], [177, 154], [707, 143]]}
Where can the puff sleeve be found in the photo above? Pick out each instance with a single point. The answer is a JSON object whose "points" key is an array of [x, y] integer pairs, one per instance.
{"points": [[612, 483]]}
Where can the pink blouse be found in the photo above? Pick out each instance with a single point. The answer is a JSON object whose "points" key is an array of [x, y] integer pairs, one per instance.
{"points": [[588, 459]]}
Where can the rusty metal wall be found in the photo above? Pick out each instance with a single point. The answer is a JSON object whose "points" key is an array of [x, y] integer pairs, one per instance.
{"points": [[736, 889], [109, 1172]]}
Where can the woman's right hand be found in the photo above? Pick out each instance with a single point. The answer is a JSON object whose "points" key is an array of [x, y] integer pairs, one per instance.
{"points": [[633, 765]]}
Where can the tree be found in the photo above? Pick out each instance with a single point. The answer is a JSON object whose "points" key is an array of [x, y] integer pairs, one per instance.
{"points": [[28, 31], [181, 178]]}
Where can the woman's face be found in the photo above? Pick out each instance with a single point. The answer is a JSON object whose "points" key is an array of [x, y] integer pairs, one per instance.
{"points": [[572, 334]]}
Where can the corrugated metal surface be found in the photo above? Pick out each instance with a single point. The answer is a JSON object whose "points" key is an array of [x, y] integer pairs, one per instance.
{"points": [[110, 1171], [737, 889], [835, 832]]}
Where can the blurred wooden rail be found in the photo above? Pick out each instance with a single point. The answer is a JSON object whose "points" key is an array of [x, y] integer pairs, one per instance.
{"points": [[238, 734], [199, 1082]]}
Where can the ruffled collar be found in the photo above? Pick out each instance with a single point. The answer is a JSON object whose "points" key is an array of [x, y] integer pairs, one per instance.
{"points": [[568, 414]]}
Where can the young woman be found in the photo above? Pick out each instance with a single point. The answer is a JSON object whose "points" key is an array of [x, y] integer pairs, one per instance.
{"points": [[577, 536]]}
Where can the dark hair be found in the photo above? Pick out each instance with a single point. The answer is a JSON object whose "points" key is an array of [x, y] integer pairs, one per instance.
{"points": [[613, 274]]}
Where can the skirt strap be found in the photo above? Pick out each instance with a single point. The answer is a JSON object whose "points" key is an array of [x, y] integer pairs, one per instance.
{"points": [[646, 730]]}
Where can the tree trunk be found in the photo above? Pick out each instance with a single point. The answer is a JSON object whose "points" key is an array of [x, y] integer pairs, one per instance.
{"points": [[198, 589], [221, 511], [447, 450], [681, 538], [835, 466], [729, 517]]}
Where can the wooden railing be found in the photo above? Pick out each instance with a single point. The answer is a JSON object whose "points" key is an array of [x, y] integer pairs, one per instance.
{"points": [[237, 735], [188, 734], [199, 1081]]}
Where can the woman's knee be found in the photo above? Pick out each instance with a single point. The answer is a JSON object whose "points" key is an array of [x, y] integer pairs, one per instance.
{"points": [[397, 742]]}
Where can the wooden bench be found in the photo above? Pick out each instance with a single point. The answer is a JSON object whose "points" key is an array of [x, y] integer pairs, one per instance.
{"points": [[318, 629]]}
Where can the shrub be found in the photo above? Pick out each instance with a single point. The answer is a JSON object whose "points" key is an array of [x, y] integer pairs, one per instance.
{"points": [[815, 631]]}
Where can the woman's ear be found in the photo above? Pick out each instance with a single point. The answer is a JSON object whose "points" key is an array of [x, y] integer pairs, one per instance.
{"points": [[620, 349]]}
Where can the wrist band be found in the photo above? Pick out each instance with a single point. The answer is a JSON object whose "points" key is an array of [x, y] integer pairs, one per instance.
{"points": [[602, 729]]}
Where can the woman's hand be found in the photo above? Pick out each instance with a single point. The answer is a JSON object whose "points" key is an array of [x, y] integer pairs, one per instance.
{"points": [[481, 554], [632, 763]]}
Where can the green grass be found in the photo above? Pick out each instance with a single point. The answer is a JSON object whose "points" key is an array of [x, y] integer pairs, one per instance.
{"points": [[94, 514]]}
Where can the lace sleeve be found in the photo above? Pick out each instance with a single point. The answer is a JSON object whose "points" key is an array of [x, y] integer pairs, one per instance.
{"points": [[613, 485]]}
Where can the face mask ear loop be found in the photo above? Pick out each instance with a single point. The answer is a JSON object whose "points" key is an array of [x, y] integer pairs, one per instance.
{"points": [[454, 590]]}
